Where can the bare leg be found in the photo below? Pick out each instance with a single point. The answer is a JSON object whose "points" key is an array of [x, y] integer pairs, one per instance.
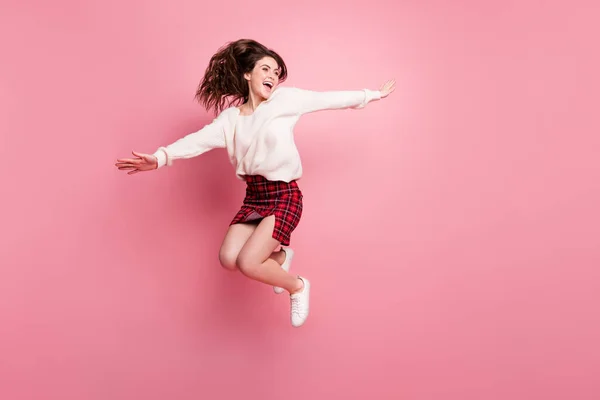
{"points": [[254, 259], [235, 239]]}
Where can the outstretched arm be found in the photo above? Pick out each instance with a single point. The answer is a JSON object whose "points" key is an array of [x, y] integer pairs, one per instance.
{"points": [[306, 101], [211, 136]]}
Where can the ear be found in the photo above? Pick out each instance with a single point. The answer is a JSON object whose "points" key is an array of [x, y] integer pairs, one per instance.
{"points": [[247, 76]]}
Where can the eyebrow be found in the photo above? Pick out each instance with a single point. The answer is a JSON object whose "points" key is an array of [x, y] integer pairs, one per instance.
{"points": [[268, 66]]}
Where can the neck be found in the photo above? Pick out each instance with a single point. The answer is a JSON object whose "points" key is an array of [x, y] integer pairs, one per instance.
{"points": [[253, 102]]}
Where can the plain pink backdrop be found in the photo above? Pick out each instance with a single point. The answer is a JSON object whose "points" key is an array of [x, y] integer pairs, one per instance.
{"points": [[451, 231]]}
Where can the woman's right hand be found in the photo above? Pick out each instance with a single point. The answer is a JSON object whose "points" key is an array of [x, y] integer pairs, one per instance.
{"points": [[387, 88], [141, 162]]}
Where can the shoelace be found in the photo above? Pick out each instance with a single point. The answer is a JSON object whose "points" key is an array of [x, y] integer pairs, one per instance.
{"points": [[296, 306]]}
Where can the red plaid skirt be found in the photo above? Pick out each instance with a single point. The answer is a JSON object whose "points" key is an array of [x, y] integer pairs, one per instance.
{"points": [[278, 198]]}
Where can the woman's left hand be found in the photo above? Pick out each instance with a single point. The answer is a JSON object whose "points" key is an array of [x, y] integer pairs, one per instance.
{"points": [[387, 88]]}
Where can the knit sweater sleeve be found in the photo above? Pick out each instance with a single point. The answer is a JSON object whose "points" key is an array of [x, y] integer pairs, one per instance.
{"points": [[211, 136], [307, 101]]}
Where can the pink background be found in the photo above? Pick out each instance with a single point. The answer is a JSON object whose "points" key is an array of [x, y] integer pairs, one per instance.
{"points": [[451, 232]]}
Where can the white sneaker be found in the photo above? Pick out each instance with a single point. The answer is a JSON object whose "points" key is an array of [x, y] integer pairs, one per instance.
{"points": [[299, 304], [287, 263]]}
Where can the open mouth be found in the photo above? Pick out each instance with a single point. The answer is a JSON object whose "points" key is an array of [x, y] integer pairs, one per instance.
{"points": [[268, 85]]}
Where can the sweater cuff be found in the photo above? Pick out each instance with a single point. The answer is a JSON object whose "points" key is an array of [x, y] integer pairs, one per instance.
{"points": [[372, 95], [161, 157]]}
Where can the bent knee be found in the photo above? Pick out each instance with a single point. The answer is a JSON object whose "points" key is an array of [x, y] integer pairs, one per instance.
{"points": [[247, 265], [228, 260]]}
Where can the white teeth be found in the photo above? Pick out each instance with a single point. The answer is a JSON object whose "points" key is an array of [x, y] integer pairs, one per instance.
{"points": [[269, 84]]}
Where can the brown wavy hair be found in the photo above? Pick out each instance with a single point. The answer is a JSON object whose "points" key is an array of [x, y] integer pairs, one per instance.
{"points": [[223, 83]]}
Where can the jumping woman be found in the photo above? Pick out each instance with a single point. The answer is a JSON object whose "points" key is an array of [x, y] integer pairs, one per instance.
{"points": [[254, 123]]}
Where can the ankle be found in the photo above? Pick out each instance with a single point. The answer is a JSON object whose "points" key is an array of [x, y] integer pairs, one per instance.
{"points": [[299, 286], [282, 256], [279, 257]]}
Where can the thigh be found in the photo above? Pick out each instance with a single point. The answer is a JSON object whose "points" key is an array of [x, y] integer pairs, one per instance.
{"points": [[261, 244], [235, 238]]}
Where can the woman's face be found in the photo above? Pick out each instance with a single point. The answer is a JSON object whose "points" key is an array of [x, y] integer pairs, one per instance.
{"points": [[264, 78]]}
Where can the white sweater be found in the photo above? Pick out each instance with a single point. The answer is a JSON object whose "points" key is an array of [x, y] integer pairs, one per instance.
{"points": [[263, 143]]}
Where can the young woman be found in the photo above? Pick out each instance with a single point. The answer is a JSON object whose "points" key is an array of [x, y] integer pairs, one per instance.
{"points": [[254, 123]]}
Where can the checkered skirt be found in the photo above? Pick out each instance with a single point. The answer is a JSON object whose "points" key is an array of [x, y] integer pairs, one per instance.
{"points": [[265, 198]]}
